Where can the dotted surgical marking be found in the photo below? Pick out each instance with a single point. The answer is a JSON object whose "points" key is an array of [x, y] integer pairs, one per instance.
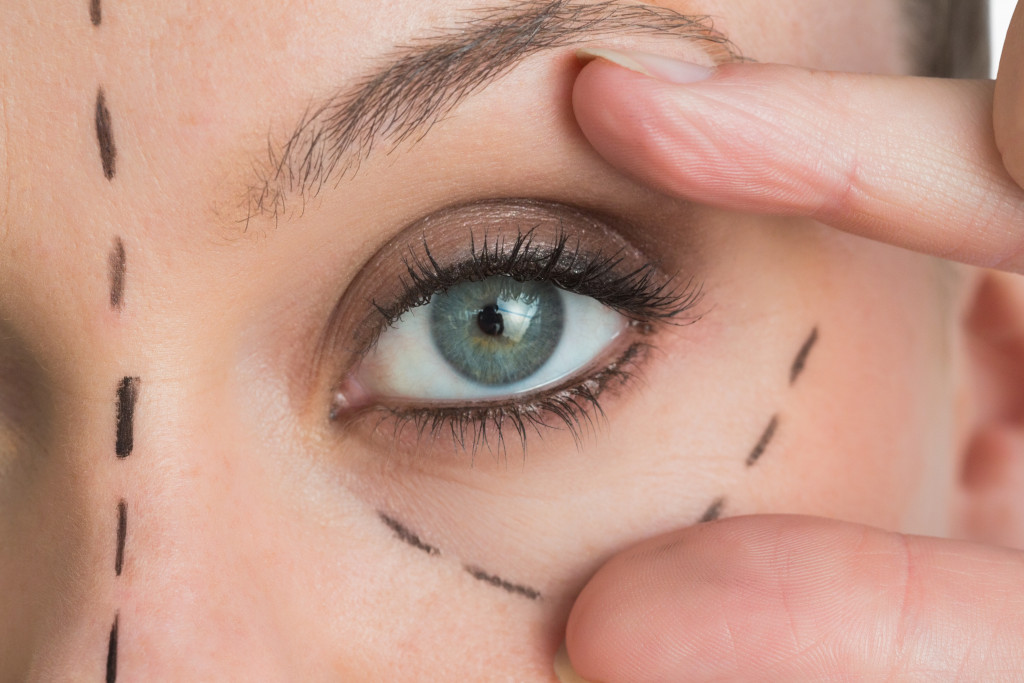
{"points": [[762, 443], [116, 262], [403, 533], [714, 511], [800, 361], [112, 652], [498, 582], [127, 395], [105, 136], [122, 534]]}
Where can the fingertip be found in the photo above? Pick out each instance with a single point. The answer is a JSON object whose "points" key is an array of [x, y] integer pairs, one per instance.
{"points": [[1008, 105]]}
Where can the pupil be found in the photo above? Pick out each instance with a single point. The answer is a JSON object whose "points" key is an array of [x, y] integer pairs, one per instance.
{"points": [[490, 321]]}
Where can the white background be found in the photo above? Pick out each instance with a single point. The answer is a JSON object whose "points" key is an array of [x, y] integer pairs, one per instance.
{"points": [[1001, 10]]}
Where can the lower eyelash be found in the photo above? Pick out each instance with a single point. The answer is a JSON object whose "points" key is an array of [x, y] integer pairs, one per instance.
{"points": [[574, 408]]}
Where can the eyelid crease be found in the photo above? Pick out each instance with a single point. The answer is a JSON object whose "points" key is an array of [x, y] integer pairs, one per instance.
{"points": [[523, 238]]}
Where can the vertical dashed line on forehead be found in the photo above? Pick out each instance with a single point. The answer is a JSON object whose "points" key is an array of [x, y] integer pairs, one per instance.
{"points": [[127, 395], [105, 136], [95, 12]]}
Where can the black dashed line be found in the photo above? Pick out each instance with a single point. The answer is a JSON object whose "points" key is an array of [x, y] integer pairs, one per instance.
{"points": [[122, 534], [801, 357], [127, 394], [112, 652], [117, 262], [498, 582], [714, 510], [403, 533], [105, 136], [763, 442]]}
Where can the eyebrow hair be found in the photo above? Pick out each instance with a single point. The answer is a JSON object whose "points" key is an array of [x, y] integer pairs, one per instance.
{"points": [[419, 83]]}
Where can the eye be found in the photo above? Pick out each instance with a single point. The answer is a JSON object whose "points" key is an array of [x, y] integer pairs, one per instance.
{"points": [[490, 339], [493, 317]]}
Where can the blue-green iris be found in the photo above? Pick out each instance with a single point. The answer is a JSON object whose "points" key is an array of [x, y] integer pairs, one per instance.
{"points": [[497, 331]]}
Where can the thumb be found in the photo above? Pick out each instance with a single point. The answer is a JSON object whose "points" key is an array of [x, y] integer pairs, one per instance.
{"points": [[775, 597], [909, 161]]}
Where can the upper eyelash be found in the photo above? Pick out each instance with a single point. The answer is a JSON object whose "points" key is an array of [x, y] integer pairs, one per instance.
{"points": [[640, 294]]}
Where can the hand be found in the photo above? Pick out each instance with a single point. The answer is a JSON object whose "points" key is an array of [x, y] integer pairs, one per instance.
{"points": [[788, 598], [909, 161], [926, 164]]}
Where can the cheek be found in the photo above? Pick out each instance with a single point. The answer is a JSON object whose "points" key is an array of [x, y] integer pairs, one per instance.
{"points": [[863, 434]]}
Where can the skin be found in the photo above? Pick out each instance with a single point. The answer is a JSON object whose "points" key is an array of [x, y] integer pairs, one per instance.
{"points": [[793, 598], [254, 546]]}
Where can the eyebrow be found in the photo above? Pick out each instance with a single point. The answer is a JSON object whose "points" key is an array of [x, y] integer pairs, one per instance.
{"points": [[416, 85]]}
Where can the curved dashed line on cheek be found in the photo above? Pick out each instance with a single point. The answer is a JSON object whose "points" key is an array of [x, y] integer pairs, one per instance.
{"points": [[762, 444], [800, 361], [713, 511], [407, 536]]}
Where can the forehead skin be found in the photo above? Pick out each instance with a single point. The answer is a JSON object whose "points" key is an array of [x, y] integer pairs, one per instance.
{"points": [[251, 552]]}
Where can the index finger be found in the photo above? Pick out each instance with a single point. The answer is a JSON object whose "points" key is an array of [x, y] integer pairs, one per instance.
{"points": [[908, 161]]}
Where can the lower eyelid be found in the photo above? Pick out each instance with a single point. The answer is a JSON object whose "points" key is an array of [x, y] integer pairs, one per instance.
{"points": [[433, 430], [371, 405]]}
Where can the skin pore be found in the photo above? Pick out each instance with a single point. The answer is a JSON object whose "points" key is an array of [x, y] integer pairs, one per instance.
{"points": [[268, 541]]}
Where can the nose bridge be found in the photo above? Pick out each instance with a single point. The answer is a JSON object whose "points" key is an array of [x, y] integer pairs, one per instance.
{"points": [[147, 564], [192, 604]]}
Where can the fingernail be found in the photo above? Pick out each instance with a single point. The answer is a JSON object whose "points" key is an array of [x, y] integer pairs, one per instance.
{"points": [[563, 668], [655, 66]]}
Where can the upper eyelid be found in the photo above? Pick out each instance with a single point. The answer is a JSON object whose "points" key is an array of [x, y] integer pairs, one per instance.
{"points": [[450, 234]]}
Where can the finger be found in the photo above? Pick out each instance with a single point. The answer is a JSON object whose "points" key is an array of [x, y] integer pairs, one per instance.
{"points": [[910, 161], [1009, 98], [799, 598]]}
